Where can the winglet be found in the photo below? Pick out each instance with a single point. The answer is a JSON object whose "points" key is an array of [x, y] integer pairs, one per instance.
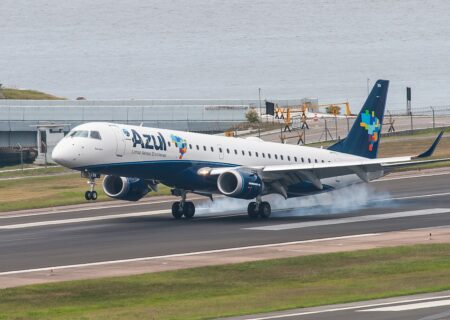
{"points": [[430, 150]]}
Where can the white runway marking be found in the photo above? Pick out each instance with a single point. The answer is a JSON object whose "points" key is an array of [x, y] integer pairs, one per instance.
{"points": [[78, 220], [413, 306], [186, 254], [421, 196], [401, 214], [295, 314]]}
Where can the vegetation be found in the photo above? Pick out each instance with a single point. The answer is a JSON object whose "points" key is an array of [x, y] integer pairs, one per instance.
{"points": [[246, 288], [252, 116], [9, 93], [333, 109]]}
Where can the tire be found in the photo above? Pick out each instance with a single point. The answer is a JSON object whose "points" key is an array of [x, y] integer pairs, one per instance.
{"points": [[88, 195], [94, 195], [251, 210], [265, 210], [189, 210], [176, 212]]}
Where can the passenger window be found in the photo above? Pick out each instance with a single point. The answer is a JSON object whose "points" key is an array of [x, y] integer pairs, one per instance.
{"points": [[212, 149], [303, 159], [198, 148], [250, 153], [315, 160], [190, 146], [276, 156], [235, 151], [281, 157], [243, 153], [323, 161], [96, 135], [228, 150], [256, 154], [204, 148], [268, 155], [289, 158], [309, 160], [264, 155], [220, 150], [295, 159]]}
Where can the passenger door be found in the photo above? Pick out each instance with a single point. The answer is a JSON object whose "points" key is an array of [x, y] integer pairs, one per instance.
{"points": [[120, 140]]}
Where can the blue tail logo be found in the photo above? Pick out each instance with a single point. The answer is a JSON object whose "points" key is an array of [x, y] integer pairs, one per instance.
{"points": [[373, 126], [365, 134]]}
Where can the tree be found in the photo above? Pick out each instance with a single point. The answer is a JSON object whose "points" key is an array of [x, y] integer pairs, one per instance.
{"points": [[252, 116]]}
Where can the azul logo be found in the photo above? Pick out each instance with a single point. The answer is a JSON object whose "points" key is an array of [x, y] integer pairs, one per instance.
{"points": [[372, 125], [180, 143], [149, 141]]}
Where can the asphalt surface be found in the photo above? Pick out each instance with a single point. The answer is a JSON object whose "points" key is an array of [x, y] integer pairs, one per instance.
{"points": [[78, 236]]}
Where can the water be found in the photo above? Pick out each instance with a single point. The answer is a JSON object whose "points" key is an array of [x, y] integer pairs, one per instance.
{"points": [[228, 49]]}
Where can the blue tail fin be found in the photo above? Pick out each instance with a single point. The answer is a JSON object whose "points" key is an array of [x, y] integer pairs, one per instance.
{"points": [[365, 134]]}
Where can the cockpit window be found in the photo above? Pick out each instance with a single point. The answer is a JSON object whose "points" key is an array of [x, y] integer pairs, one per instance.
{"points": [[82, 133], [96, 135]]}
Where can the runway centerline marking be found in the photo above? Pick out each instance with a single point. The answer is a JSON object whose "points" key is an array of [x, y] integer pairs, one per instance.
{"points": [[384, 216], [413, 306], [101, 263]]}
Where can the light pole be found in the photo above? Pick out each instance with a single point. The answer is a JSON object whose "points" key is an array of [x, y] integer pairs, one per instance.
{"points": [[432, 109], [260, 114]]}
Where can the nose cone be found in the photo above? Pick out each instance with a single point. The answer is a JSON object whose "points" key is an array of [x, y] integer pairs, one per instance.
{"points": [[61, 155]]}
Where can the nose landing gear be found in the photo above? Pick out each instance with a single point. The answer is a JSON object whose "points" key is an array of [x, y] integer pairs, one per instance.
{"points": [[91, 194], [183, 207]]}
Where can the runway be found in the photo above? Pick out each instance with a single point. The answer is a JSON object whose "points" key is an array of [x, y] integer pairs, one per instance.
{"points": [[78, 236]]}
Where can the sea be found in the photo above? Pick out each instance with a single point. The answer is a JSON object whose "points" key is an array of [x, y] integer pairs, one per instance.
{"points": [[228, 49]]}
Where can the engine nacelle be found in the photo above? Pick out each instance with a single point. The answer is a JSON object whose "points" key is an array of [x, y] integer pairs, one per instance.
{"points": [[131, 189], [240, 184]]}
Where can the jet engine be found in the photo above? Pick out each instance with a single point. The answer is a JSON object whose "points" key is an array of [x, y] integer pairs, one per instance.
{"points": [[131, 189], [240, 184]]}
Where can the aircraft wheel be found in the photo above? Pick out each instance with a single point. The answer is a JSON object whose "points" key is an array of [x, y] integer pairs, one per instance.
{"points": [[264, 210], [94, 195], [88, 195], [251, 210], [176, 210], [189, 210]]}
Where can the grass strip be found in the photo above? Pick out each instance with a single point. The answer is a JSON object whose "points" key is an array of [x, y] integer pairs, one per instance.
{"points": [[245, 288], [50, 191], [25, 94]]}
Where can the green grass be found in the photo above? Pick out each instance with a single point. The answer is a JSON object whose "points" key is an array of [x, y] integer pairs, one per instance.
{"points": [[36, 172], [246, 288], [28, 94], [42, 192]]}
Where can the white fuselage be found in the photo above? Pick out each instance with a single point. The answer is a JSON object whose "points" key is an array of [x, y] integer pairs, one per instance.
{"points": [[170, 155]]}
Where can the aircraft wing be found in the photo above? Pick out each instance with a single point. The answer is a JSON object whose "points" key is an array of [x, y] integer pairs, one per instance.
{"points": [[366, 169]]}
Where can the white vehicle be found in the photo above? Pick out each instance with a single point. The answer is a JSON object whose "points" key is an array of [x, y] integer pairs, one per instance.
{"points": [[135, 159]]}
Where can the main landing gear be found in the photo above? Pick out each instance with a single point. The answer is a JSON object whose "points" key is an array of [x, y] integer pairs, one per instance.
{"points": [[91, 194], [183, 207], [259, 209]]}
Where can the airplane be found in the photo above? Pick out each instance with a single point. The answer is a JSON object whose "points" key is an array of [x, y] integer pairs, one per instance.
{"points": [[135, 159]]}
